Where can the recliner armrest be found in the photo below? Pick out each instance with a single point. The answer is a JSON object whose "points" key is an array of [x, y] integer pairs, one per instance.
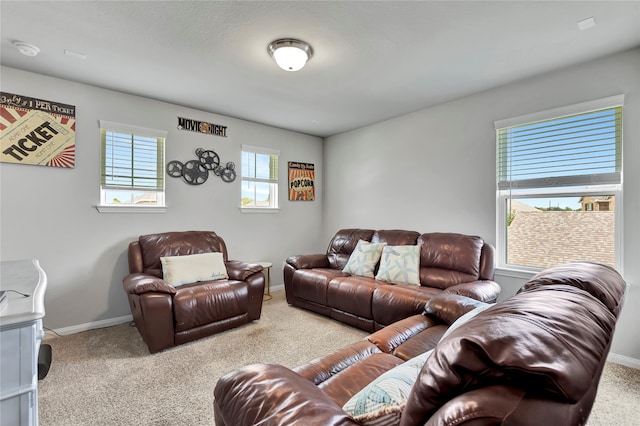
{"points": [[393, 335], [238, 270], [483, 290], [308, 261], [139, 283], [275, 395]]}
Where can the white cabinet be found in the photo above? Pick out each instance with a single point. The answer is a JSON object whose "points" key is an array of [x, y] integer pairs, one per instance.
{"points": [[21, 332]]}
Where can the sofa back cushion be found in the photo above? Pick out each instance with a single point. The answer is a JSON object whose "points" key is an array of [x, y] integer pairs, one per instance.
{"points": [[342, 245], [448, 259], [395, 237], [155, 246], [551, 341]]}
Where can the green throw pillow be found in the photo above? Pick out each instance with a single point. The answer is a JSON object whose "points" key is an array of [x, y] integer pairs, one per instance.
{"points": [[364, 258], [400, 265]]}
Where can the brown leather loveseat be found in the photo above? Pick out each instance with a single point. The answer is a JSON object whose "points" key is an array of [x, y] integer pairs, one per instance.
{"points": [[167, 315], [448, 263], [533, 359]]}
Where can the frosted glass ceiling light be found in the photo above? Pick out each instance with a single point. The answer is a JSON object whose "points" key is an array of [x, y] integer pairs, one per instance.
{"points": [[290, 54]]}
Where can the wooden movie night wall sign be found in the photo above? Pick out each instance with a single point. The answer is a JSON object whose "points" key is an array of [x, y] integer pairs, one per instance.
{"points": [[202, 127], [37, 132]]}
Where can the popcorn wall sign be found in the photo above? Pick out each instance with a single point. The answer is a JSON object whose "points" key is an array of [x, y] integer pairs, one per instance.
{"points": [[37, 132]]}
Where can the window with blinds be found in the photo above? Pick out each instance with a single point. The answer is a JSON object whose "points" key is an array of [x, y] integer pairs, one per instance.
{"points": [[132, 165], [259, 178], [558, 182], [580, 149]]}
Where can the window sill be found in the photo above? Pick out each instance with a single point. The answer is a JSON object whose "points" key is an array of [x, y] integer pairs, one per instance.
{"points": [[514, 272], [131, 209], [258, 210]]}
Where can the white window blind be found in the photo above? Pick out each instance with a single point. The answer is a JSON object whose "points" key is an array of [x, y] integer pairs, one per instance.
{"points": [[573, 150], [132, 158]]}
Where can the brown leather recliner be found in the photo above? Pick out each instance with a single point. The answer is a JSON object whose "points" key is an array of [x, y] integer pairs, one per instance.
{"points": [[168, 316]]}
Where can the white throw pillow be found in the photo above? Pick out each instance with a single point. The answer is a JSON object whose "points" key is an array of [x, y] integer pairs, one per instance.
{"points": [[364, 258], [400, 265], [179, 270]]}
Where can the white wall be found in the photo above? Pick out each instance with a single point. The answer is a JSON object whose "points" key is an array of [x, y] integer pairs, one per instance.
{"points": [[434, 170], [48, 213]]}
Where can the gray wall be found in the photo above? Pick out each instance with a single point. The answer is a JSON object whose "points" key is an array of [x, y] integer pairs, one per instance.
{"points": [[49, 213], [434, 170]]}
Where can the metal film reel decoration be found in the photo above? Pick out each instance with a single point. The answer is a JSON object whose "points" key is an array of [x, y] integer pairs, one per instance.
{"points": [[174, 168], [229, 173], [209, 159], [196, 172]]}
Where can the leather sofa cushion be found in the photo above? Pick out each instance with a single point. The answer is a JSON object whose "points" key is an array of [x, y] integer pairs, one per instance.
{"points": [[448, 259], [352, 294], [395, 237], [312, 284], [208, 302], [554, 343], [393, 302]]}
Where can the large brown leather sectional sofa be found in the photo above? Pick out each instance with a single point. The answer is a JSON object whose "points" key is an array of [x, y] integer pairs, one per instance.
{"points": [[533, 359], [449, 263]]}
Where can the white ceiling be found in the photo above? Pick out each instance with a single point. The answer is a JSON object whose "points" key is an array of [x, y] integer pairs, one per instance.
{"points": [[373, 60]]}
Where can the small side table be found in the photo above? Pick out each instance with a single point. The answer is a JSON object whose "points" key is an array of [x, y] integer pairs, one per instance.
{"points": [[267, 266]]}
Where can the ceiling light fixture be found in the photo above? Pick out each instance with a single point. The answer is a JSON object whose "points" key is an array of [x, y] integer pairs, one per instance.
{"points": [[290, 54], [26, 48]]}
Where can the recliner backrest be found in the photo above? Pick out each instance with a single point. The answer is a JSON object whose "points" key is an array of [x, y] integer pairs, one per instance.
{"points": [[343, 243], [448, 259], [155, 246]]}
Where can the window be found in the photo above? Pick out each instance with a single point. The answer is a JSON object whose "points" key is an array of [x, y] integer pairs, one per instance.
{"points": [[132, 167], [559, 189], [259, 178]]}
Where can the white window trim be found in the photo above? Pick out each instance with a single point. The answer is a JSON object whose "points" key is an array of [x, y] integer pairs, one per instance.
{"points": [[141, 131], [518, 271], [265, 151]]}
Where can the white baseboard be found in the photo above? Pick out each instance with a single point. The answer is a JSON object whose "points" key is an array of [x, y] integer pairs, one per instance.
{"points": [[89, 326], [627, 361]]}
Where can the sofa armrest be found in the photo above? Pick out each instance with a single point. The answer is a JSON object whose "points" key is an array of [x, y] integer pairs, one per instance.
{"points": [[393, 335], [139, 283], [238, 270], [270, 394], [308, 261], [447, 307], [483, 290]]}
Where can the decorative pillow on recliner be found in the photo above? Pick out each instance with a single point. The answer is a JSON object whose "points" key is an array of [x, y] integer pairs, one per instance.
{"points": [[364, 258], [179, 270], [400, 265], [382, 400]]}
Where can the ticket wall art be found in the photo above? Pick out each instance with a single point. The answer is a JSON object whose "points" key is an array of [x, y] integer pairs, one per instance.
{"points": [[301, 181], [37, 132]]}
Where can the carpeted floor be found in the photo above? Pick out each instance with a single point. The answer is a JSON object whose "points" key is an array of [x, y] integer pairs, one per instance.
{"points": [[107, 376]]}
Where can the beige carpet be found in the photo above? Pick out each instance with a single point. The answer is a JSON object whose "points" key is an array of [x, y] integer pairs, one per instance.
{"points": [[107, 376]]}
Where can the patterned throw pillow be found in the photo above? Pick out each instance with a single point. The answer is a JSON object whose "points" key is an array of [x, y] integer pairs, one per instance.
{"points": [[382, 400], [179, 270], [400, 265], [364, 258]]}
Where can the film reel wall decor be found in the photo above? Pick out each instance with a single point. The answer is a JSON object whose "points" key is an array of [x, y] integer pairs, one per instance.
{"points": [[196, 172]]}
